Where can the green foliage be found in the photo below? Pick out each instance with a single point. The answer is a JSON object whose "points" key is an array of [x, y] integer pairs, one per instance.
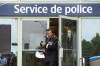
{"points": [[91, 48]]}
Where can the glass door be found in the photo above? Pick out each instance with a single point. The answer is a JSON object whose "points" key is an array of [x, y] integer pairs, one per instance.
{"points": [[68, 41], [33, 32], [8, 41]]}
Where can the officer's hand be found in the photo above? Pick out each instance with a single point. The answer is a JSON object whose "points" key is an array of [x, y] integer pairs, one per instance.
{"points": [[42, 44]]}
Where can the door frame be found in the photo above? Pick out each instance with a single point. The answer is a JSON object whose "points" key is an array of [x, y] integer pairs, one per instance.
{"points": [[35, 19], [20, 48], [79, 50]]}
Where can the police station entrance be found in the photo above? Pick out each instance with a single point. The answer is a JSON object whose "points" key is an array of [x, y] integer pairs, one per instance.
{"points": [[34, 31], [68, 41], [23, 26]]}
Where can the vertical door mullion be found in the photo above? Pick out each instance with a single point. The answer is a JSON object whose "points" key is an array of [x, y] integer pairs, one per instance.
{"points": [[19, 43], [79, 51], [60, 42], [48, 24], [79, 43]]}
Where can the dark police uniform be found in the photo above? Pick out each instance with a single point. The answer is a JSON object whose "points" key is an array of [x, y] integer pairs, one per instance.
{"points": [[51, 51]]}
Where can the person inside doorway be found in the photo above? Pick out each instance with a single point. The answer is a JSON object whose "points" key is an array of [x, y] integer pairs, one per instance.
{"points": [[3, 60], [13, 59], [51, 49]]}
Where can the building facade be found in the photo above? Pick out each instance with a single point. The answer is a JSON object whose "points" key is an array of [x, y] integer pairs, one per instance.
{"points": [[28, 20]]}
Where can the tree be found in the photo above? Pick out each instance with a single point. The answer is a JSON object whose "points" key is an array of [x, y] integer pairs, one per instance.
{"points": [[91, 48], [86, 48], [96, 43]]}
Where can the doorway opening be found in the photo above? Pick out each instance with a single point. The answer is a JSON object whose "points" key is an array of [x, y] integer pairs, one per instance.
{"points": [[69, 42], [54, 25], [68, 39], [66, 31]]}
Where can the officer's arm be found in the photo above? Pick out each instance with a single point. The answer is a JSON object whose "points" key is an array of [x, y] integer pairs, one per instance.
{"points": [[53, 46]]}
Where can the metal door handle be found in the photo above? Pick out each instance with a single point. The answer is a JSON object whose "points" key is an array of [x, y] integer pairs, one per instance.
{"points": [[61, 53]]}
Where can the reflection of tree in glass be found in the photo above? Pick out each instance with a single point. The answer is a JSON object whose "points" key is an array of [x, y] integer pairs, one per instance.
{"points": [[96, 43], [91, 48]]}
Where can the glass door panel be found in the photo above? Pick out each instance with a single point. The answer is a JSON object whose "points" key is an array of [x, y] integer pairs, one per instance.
{"points": [[68, 40], [8, 41], [33, 32]]}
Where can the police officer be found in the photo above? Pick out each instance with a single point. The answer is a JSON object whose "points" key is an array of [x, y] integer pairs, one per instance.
{"points": [[51, 49]]}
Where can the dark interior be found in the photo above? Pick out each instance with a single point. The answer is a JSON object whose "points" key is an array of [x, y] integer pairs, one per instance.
{"points": [[5, 38], [54, 25]]}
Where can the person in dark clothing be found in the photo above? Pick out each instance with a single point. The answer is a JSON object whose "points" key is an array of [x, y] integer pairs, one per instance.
{"points": [[51, 49], [8, 56], [13, 60]]}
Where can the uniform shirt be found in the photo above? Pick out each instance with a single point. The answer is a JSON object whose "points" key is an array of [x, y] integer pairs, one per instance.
{"points": [[3, 61], [51, 49]]}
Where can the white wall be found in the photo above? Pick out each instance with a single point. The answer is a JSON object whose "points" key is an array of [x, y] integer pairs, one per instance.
{"points": [[14, 35], [33, 33]]}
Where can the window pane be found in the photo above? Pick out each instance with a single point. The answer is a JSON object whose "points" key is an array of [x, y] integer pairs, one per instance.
{"points": [[90, 38], [29, 59], [33, 33], [8, 41]]}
